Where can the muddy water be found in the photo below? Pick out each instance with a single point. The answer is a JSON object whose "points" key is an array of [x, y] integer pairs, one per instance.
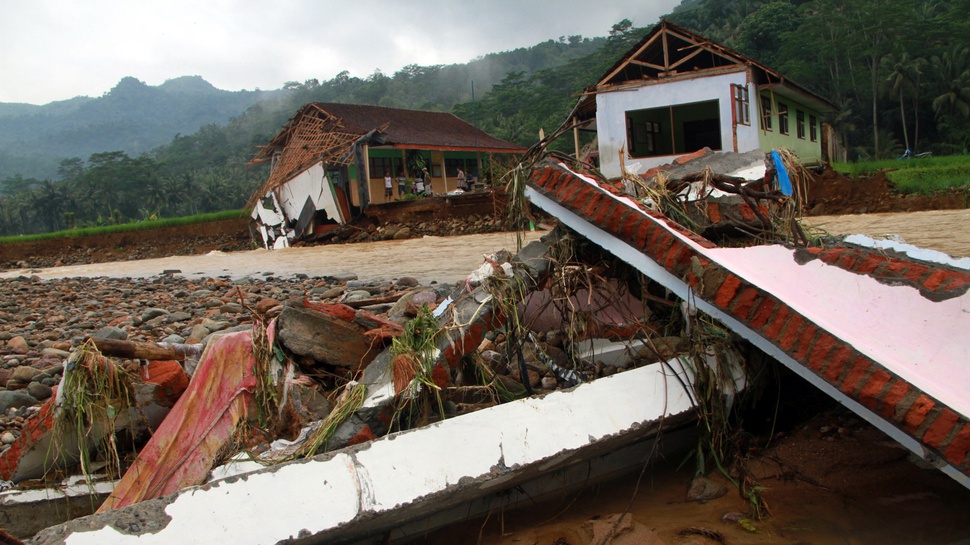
{"points": [[449, 259], [442, 259], [944, 230]]}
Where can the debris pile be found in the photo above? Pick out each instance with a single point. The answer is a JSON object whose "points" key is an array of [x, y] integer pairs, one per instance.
{"points": [[294, 369]]}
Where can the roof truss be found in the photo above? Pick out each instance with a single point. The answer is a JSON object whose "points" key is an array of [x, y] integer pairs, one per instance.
{"points": [[669, 51]]}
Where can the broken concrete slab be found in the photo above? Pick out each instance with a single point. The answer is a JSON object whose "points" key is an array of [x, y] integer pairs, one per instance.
{"points": [[806, 317], [364, 490]]}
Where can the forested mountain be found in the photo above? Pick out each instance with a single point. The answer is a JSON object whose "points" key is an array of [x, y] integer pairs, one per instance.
{"points": [[898, 69], [132, 117]]}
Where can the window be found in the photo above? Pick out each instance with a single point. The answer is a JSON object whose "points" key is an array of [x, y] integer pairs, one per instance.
{"points": [[782, 118], [742, 112], [765, 113], [380, 165], [672, 130], [812, 128], [468, 165], [800, 124]]}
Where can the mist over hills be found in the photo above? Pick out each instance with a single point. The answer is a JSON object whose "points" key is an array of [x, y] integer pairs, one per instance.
{"points": [[132, 117]]}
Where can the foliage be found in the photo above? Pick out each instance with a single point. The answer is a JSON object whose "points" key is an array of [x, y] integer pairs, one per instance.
{"points": [[918, 175], [899, 71], [95, 394], [127, 227], [928, 180]]}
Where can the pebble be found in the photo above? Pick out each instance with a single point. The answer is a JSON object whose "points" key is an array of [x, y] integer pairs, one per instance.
{"points": [[8, 438]]}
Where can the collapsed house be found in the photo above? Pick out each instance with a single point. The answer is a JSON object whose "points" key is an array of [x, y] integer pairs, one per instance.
{"points": [[329, 161], [675, 92], [579, 319]]}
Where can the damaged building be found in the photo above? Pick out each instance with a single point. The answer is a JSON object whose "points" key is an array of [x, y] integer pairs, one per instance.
{"points": [[545, 370], [329, 162], [676, 92]]}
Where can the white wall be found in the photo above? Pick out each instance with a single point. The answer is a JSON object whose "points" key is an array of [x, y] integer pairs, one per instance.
{"points": [[312, 183], [611, 111]]}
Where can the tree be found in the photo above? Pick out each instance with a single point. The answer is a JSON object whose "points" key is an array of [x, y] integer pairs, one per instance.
{"points": [[902, 80], [762, 33], [951, 71]]}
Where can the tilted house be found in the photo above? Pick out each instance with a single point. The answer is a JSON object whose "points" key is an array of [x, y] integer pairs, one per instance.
{"points": [[676, 92], [329, 162]]}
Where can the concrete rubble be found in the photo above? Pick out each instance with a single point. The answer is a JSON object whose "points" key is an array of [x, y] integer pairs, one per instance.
{"points": [[331, 402]]}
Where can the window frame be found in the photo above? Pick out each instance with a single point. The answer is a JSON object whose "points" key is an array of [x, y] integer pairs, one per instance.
{"points": [[783, 127], [742, 104], [813, 128], [800, 124], [766, 113]]}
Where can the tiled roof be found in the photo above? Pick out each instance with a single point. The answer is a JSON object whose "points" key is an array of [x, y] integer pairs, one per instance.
{"points": [[403, 128], [414, 128]]}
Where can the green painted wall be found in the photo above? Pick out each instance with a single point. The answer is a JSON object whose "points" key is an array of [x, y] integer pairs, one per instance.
{"points": [[806, 150]]}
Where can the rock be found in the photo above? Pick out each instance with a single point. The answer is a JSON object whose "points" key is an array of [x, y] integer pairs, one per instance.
{"points": [[406, 282], [344, 277], [403, 233], [24, 373], [109, 332], [55, 353], [153, 313], [18, 345], [15, 400], [324, 338], [549, 383], [8, 438], [39, 391], [357, 295], [332, 293], [703, 489], [199, 332], [424, 298], [264, 305], [13, 384], [179, 316], [215, 325], [231, 308], [174, 339]]}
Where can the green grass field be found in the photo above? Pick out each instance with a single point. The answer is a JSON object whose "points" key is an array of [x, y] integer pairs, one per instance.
{"points": [[926, 175], [128, 227]]}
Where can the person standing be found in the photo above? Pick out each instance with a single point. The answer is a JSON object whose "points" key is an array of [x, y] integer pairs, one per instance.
{"points": [[426, 180], [388, 185], [462, 180], [419, 186]]}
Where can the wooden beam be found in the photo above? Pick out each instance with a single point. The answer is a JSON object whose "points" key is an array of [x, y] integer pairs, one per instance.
{"points": [[633, 56], [697, 52], [647, 64], [145, 350]]}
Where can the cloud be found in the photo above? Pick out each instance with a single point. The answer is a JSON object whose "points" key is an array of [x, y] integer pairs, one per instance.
{"points": [[57, 49]]}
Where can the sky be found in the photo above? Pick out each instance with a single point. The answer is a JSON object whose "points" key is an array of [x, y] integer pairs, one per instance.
{"points": [[57, 49]]}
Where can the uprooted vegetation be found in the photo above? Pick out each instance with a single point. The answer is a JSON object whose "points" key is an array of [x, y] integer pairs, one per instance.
{"points": [[320, 372]]}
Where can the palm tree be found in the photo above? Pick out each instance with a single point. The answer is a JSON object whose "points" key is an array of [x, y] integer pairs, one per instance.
{"points": [[952, 75], [903, 79]]}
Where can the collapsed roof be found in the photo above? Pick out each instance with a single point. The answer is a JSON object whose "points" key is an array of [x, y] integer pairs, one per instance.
{"points": [[327, 132]]}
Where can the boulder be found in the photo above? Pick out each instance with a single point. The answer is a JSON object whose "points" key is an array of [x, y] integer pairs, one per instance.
{"points": [[324, 338]]}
